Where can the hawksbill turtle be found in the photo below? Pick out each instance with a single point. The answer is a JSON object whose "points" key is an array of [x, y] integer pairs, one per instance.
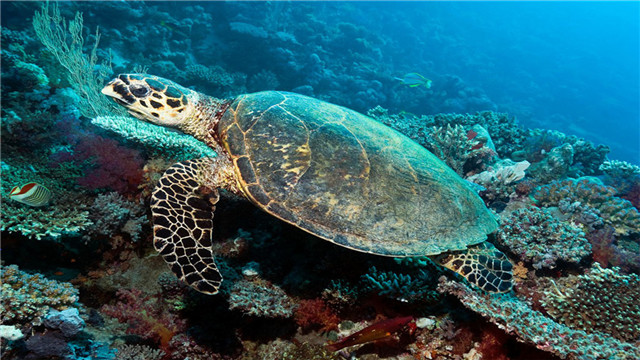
{"points": [[326, 169]]}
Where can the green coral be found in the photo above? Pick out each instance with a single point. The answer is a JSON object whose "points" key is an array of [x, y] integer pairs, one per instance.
{"points": [[27, 298], [157, 139], [617, 212], [602, 300], [536, 236]]}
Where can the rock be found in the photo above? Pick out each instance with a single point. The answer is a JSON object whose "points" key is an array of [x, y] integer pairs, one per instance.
{"points": [[68, 321]]}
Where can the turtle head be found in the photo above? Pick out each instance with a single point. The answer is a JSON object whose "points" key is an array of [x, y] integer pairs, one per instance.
{"points": [[151, 98]]}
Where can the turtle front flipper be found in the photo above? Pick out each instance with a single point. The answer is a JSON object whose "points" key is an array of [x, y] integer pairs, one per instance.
{"points": [[482, 265], [182, 205]]}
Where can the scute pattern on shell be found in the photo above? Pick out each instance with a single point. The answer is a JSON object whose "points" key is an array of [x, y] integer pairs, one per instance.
{"points": [[347, 178]]}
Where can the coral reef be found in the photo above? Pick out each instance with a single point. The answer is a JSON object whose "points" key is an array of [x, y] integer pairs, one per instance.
{"points": [[286, 294], [499, 180], [537, 236], [157, 139], [112, 213], [602, 300], [454, 146], [615, 211], [146, 317], [402, 287], [138, 352], [617, 168], [258, 297], [27, 298], [66, 42], [516, 317]]}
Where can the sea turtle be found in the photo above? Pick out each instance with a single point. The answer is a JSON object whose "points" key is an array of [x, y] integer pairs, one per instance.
{"points": [[326, 169]]}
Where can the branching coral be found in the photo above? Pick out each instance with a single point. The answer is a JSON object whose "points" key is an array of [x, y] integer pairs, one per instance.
{"points": [[518, 318], [402, 287], [615, 211], [603, 300], [138, 352], [27, 298], [588, 156], [536, 236], [556, 164]]}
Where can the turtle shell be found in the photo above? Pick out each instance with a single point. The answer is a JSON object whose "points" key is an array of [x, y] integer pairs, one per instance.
{"points": [[346, 178]]}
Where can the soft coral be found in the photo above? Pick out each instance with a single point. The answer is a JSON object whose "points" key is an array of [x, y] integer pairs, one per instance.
{"points": [[145, 316], [110, 165]]}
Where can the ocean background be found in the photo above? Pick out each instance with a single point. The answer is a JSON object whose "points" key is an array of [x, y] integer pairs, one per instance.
{"points": [[536, 104], [568, 66]]}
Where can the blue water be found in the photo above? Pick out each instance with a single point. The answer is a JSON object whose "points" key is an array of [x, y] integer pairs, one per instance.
{"points": [[571, 66]]}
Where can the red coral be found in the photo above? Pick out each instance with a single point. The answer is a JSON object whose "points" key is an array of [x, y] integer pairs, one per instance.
{"points": [[602, 245], [115, 167], [145, 316], [311, 313], [634, 194]]}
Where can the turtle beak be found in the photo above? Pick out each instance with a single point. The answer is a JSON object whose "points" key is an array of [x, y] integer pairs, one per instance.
{"points": [[119, 91]]}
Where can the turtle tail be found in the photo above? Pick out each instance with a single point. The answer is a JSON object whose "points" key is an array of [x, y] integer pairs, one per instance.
{"points": [[182, 207]]}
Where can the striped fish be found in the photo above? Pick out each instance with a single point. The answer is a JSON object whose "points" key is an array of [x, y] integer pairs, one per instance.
{"points": [[32, 194]]}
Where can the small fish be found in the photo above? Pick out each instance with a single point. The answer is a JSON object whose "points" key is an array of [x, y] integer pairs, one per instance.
{"points": [[415, 80], [378, 331], [32, 194]]}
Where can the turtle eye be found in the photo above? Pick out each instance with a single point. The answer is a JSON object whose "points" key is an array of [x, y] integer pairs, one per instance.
{"points": [[139, 90]]}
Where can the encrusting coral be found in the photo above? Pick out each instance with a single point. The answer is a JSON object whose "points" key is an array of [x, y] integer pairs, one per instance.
{"points": [[530, 326], [603, 300]]}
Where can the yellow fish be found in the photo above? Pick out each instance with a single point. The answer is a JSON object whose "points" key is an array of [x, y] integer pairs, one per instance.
{"points": [[32, 194]]}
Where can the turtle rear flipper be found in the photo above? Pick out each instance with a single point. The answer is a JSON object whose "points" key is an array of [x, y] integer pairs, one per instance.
{"points": [[482, 265], [182, 206]]}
